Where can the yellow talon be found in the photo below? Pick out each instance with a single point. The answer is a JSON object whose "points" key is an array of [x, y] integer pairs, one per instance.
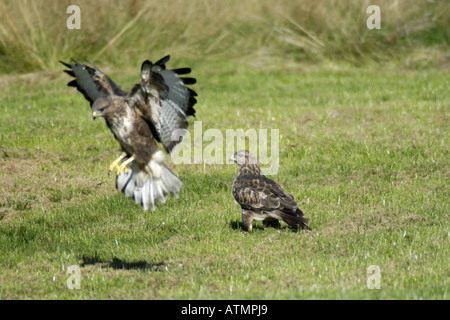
{"points": [[123, 166], [115, 163]]}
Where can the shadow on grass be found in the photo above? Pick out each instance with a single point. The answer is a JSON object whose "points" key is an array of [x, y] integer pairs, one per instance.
{"points": [[238, 225], [120, 264]]}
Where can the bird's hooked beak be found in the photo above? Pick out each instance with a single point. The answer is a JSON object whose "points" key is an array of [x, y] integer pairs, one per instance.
{"points": [[98, 107], [231, 159]]}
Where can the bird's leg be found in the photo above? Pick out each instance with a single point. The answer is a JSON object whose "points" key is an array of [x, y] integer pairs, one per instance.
{"points": [[115, 163], [247, 219], [123, 166]]}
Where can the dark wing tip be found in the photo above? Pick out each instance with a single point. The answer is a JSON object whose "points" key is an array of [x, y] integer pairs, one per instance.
{"points": [[181, 71], [73, 83], [65, 64], [188, 80], [70, 72], [192, 93], [146, 64], [161, 62]]}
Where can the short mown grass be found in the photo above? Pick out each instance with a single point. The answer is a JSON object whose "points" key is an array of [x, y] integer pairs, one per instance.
{"points": [[363, 150]]}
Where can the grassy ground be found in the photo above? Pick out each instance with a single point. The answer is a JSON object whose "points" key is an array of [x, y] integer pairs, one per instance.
{"points": [[363, 150]]}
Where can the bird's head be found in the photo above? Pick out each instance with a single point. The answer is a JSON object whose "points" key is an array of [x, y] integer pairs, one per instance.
{"points": [[100, 107], [107, 107], [243, 157]]}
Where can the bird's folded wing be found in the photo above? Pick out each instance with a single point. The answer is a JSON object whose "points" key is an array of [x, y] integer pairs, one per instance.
{"points": [[263, 194]]}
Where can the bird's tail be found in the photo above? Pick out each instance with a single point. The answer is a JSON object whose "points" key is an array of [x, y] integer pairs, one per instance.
{"points": [[146, 188], [296, 220]]}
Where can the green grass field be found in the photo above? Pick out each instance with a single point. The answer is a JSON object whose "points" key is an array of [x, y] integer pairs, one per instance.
{"points": [[363, 150], [363, 118]]}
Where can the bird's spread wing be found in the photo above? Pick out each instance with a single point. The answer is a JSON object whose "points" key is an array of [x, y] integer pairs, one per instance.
{"points": [[163, 99], [91, 81], [262, 194]]}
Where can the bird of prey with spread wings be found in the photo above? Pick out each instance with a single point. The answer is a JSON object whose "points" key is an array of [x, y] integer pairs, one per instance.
{"points": [[261, 198], [149, 113]]}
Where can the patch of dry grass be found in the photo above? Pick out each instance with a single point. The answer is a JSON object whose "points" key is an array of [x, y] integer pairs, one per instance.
{"points": [[43, 181], [34, 36]]}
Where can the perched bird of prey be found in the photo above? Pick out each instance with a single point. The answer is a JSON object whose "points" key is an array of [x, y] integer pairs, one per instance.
{"points": [[149, 113], [261, 198]]}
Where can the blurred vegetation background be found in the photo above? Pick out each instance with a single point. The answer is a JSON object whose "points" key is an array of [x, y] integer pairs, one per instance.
{"points": [[34, 35]]}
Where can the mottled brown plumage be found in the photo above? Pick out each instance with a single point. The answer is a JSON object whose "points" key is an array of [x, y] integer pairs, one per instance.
{"points": [[152, 111], [261, 198]]}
